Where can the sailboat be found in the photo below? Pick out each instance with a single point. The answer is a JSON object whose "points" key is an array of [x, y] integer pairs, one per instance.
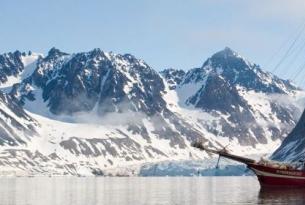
{"points": [[269, 173]]}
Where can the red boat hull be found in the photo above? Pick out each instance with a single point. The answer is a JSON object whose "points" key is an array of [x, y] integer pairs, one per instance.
{"points": [[267, 181], [273, 177]]}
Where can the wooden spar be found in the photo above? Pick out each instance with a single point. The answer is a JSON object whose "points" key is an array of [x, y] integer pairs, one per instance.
{"points": [[224, 153]]}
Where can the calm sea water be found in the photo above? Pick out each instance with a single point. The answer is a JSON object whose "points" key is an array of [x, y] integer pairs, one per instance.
{"points": [[142, 190]]}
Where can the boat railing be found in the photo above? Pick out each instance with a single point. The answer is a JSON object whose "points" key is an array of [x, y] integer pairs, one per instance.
{"points": [[279, 165]]}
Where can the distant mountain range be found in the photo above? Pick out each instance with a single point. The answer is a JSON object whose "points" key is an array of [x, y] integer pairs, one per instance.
{"points": [[98, 112]]}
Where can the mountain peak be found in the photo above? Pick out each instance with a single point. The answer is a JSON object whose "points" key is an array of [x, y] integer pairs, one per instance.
{"points": [[17, 53], [129, 56], [227, 59], [226, 52], [56, 52], [96, 51]]}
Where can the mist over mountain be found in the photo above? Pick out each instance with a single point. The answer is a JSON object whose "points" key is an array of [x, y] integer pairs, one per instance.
{"points": [[98, 112]]}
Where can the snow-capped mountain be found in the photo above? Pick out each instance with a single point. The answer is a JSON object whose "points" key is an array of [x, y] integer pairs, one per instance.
{"points": [[244, 103], [119, 98], [16, 66], [292, 148], [173, 77], [84, 81], [16, 127], [98, 112]]}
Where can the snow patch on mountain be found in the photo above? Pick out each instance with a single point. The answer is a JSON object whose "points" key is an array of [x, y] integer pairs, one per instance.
{"points": [[230, 98], [25, 69]]}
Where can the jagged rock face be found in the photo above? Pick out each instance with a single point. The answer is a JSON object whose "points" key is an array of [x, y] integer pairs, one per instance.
{"points": [[173, 77], [13, 65], [293, 146], [236, 92], [109, 82], [217, 94], [16, 127], [10, 65], [237, 70]]}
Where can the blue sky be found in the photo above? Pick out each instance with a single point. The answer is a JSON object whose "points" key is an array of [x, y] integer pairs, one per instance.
{"points": [[165, 33]]}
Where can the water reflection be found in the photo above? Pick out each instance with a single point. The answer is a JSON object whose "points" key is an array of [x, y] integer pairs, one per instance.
{"points": [[294, 196], [142, 190]]}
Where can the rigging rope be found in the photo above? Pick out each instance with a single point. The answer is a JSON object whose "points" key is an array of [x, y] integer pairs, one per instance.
{"points": [[297, 54], [299, 71], [291, 47], [283, 45], [302, 81]]}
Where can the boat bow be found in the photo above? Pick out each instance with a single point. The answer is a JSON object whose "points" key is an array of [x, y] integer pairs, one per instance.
{"points": [[269, 173]]}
